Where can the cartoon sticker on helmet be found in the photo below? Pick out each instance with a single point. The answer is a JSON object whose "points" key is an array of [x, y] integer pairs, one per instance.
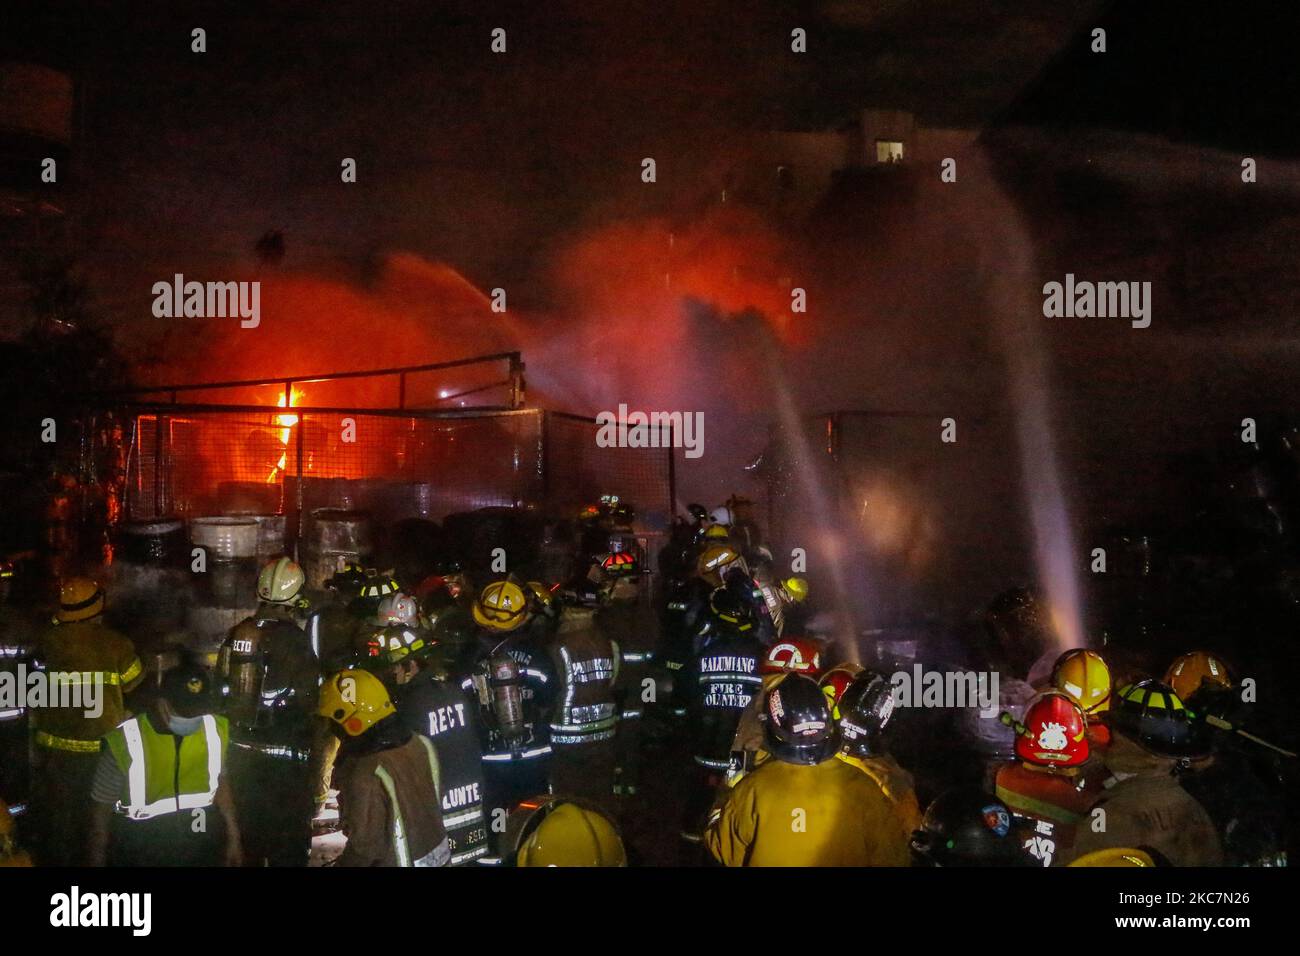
{"points": [[997, 819], [1052, 736]]}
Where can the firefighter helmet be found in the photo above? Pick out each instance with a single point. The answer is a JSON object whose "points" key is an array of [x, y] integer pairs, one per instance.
{"points": [[799, 727], [716, 532], [619, 563], [721, 515], [79, 599], [543, 597], [1084, 676], [797, 588], [731, 609], [281, 581], [1189, 671], [1055, 732], [1154, 717], [792, 654], [378, 585], [835, 682], [1115, 856], [551, 831], [863, 711], [347, 580], [715, 561], [968, 827], [355, 700], [501, 606], [399, 608], [393, 644]]}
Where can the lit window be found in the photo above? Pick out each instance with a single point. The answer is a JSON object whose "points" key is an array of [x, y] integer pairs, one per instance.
{"points": [[889, 151]]}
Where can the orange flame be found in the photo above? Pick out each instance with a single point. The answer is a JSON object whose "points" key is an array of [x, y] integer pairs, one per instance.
{"points": [[286, 423]]}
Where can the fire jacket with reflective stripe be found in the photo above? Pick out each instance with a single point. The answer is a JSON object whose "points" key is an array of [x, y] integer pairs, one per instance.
{"points": [[441, 712], [825, 814], [88, 656], [388, 806], [586, 667], [724, 679], [166, 773]]}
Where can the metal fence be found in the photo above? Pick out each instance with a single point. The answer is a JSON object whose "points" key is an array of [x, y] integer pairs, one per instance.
{"points": [[186, 461]]}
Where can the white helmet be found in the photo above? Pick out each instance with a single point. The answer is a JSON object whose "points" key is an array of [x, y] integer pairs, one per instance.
{"points": [[721, 515], [399, 608], [280, 581]]}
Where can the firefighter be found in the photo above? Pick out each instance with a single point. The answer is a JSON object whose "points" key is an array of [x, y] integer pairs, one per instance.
{"points": [[724, 679], [1052, 784], [836, 681], [333, 625], [279, 753], [437, 708], [1154, 739], [1241, 784], [1084, 677], [552, 831], [623, 615], [583, 717], [161, 793], [17, 648], [511, 682], [861, 714], [388, 778], [793, 655], [81, 655], [805, 807], [968, 827]]}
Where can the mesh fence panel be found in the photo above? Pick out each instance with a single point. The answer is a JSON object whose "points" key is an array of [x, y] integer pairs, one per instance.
{"points": [[580, 471], [189, 463]]}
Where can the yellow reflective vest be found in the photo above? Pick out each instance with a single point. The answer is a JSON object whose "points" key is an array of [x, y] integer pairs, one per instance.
{"points": [[163, 778], [826, 814]]}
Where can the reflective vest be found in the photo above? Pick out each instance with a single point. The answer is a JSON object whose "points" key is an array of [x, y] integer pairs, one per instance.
{"points": [[162, 778]]}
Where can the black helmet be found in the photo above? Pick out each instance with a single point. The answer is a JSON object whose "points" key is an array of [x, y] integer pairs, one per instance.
{"points": [[1153, 716], [731, 610], [865, 708], [968, 827], [698, 513], [347, 580], [799, 726]]}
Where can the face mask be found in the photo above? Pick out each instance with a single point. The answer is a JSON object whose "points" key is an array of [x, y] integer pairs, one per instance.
{"points": [[184, 726]]}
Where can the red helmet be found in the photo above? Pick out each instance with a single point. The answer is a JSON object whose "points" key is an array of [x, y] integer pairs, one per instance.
{"points": [[792, 654], [835, 682], [619, 562], [1055, 732]]}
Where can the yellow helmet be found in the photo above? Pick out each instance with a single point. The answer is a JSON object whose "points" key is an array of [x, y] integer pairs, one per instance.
{"points": [[10, 855], [717, 532], [1083, 676], [1189, 671], [797, 588], [555, 832], [1115, 856], [79, 600], [355, 700], [714, 561], [501, 606], [543, 594], [280, 581]]}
